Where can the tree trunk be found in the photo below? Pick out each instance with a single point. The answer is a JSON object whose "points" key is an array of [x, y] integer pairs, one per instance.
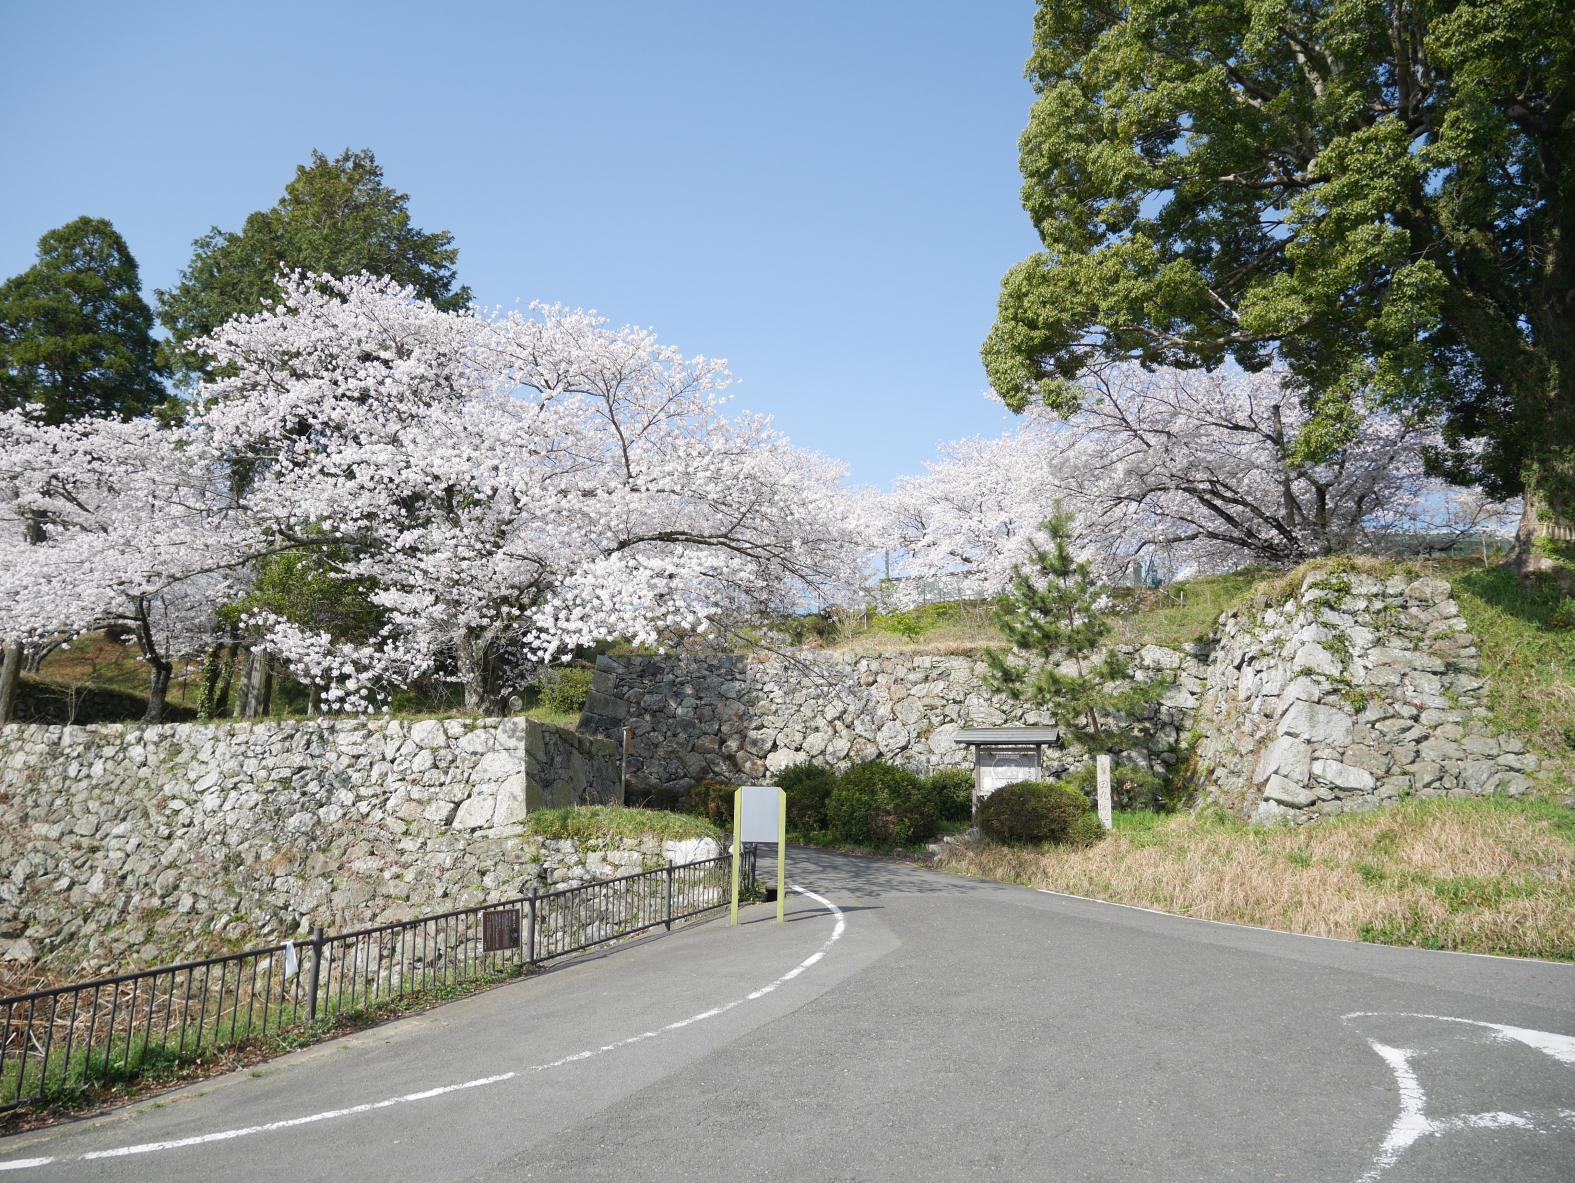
{"points": [[158, 689], [212, 662], [33, 656], [474, 662], [10, 679], [221, 694], [266, 703], [1537, 533], [249, 702]]}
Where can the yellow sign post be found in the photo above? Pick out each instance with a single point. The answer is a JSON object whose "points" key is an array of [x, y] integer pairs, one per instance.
{"points": [[760, 815]]}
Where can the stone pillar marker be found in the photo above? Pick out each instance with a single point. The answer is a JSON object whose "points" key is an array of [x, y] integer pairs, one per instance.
{"points": [[1102, 779]]}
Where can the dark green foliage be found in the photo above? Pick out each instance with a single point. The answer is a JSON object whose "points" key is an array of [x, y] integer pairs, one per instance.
{"points": [[1051, 619], [648, 796], [952, 791], [1375, 193], [75, 334], [712, 800], [808, 787], [40, 701], [564, 690], [1131, 787], [1035, 811], [336, 217], [878, 804]]}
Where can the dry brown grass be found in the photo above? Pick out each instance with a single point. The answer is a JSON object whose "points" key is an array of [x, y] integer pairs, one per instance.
{"points": [[1478, 876]]}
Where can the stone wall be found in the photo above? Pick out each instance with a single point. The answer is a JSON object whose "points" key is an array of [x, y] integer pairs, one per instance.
{"points": [[1354, 692], [145, 842], [743, 718]]}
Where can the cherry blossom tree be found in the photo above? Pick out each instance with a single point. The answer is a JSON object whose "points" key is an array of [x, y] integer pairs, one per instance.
{"points": [[971, 517], [107, 524], [518, 485], [1185, 471]]}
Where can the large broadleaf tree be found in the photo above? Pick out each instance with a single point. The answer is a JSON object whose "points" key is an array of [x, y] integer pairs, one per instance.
{"points": [[1375, 193]]}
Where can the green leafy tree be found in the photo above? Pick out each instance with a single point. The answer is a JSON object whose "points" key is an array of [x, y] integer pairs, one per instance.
{"points": [[1381, 193], [76, 336], [1059, 660], [337, 217]]}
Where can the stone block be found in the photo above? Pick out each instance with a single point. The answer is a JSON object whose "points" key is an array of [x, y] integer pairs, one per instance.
{"points": [[429, 733], [1344, 776], [1288, 793], [1317, 723], [1287, 757]]}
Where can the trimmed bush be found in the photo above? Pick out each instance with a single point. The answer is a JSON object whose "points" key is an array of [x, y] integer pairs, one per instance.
{"points": [[952, 789], [565, 690], [712, 800], [879, 804], [1034, 811], [808, 787]]}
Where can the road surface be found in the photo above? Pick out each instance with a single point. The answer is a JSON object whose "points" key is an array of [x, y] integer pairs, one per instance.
{"points": [[908, 1025]]}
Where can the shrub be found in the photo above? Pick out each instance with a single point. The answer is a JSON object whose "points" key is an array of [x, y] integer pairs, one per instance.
{"points": [[1131, 786], [713, 800], [879, 804], [808, 787], [1034, 811], [565, 690], [952, 789]]}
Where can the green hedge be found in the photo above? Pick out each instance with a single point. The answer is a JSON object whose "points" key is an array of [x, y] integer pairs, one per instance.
{"points": [[952, 789], [808, 787], [1036, 811], [564, 690], [879, 804]]}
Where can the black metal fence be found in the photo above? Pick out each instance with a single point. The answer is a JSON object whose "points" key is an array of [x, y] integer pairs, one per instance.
{"points": [[61, 1040]]}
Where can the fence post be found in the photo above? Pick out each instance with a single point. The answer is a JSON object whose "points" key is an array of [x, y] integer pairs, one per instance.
{"points": [[669, 897], [530, 933], [312, 978]]}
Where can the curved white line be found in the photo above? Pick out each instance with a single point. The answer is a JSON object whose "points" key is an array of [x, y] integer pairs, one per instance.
{"points": [[18, 1164], [1560, 1047], [1412, 1122]]}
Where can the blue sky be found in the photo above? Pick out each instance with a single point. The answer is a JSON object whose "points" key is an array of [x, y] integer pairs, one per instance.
{"points": [[823, 193]]}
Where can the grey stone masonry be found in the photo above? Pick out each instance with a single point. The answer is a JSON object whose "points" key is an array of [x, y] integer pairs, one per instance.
{"points": [[742, 718], [123, 841], [1353, 693]]}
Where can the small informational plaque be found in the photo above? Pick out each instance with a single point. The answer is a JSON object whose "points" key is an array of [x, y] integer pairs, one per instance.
{"points": [[500, 930]]}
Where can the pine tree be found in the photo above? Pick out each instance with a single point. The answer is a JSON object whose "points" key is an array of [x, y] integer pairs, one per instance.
{"points": [[1058, 659], [75, 334], [336, 217]]}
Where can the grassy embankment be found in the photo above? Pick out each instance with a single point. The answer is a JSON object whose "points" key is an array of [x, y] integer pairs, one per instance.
{"points": [[1490, 876], [99, 680]]}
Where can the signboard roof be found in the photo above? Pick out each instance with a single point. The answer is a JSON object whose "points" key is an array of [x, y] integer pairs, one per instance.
{"points": [[1007, 735]]}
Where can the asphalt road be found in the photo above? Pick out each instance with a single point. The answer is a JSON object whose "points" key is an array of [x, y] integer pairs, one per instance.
{"points": [[925, 1027]]}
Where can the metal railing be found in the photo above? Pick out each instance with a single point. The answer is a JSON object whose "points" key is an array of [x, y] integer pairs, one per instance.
{"points": [[67, 1039]]}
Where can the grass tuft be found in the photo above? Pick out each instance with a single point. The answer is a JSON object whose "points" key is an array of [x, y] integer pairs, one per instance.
{"points": [[607, 822]]}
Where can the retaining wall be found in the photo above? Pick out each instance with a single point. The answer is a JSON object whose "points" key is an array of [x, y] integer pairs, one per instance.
{"points": [[154, 841]]}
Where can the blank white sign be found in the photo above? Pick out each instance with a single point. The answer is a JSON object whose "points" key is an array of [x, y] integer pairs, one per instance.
{"points": [[759, 814]]}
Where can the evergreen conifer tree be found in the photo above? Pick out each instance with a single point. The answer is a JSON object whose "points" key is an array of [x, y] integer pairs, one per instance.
{"points": [[1059, 660]]}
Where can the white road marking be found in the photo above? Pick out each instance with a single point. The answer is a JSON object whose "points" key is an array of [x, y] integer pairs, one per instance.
{"points": [[18, 1164], [1412, 1122]]}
